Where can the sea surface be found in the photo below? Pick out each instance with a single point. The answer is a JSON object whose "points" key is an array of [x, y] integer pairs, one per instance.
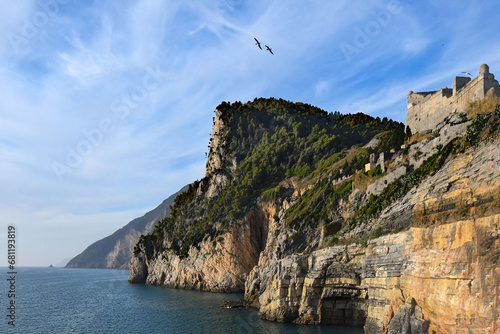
{"points": [[59, 300]]}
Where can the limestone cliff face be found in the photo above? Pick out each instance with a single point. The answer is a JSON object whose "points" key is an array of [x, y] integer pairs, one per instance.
{"points": [[444, 273], [220, 163], [434, 271], [219, 266], [220, 257], [217, 154], [439, 276]]}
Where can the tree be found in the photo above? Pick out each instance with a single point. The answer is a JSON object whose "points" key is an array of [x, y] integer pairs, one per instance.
{"points": [[408, 133], [300, 130]]}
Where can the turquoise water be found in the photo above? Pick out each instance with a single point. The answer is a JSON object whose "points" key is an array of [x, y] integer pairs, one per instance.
{"points": [[57, 300]]}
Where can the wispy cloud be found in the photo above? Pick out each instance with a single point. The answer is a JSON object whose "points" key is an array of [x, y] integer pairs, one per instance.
{"points": [[90, 64]]}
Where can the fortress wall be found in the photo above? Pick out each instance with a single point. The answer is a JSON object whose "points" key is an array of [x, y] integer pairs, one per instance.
{"points": [[471, 92], [459, 83], [418, 98], [427, 109], [432, 110]]}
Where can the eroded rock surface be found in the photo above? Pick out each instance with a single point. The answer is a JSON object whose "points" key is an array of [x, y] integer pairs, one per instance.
{"points": [[440, 275]]}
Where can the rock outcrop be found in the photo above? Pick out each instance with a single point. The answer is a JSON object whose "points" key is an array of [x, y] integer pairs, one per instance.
{"points": [[446, 270], [440, 275], [219, 266], [424, 261], [221, 259]]}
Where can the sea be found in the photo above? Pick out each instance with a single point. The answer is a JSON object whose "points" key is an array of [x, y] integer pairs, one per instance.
{"points": [[60, 300]]}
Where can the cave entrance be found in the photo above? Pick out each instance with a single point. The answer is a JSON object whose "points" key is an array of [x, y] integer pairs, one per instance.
{"points": [[343, 312]]}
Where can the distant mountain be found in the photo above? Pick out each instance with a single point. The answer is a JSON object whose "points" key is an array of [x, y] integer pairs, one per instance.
{"points": [[63, 263], [115, 251]]}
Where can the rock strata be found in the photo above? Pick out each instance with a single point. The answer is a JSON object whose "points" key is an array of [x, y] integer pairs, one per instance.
{"points": [[441, 275], [219, 268], [427, 262]]}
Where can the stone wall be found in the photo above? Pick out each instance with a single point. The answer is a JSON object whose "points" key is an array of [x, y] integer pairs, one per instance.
{"points": [[428, 109], [378, 186], [432, 109]]}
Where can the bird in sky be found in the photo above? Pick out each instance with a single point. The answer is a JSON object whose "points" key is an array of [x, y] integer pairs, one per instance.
{"points": [[257, 43], [467, 73], [269, 49]]}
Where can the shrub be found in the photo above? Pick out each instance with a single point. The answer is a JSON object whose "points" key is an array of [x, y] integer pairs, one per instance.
{"points": [[402, 185], [271, 139], [474, 129], [331, 228]]}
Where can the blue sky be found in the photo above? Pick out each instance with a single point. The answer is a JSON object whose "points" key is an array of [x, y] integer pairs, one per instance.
{"points": [[106, 107]]}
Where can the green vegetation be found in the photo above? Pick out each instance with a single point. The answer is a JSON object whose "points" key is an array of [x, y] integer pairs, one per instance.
{"points": [[392, 139], [273, 194], [377, 171], [482, 126], [332, 228], [474, 129], [402, 185], [272, 139], [408, 133], [317, 205]]}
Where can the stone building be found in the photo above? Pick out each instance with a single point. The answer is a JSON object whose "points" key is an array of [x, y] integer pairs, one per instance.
{"points": [[373, 159], [426, 110]]}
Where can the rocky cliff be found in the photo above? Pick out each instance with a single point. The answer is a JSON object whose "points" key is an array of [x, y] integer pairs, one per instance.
{"points": [[218, 267], [115, 251], [216, 231], [309, 245], [440, 275]]}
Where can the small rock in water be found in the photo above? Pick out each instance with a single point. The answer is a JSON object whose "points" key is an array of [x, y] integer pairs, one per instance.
{"points": [[235, 304]]}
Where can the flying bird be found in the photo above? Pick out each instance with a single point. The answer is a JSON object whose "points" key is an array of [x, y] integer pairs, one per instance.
{"points": [[269, 49], [467, 73], [257, 43]]}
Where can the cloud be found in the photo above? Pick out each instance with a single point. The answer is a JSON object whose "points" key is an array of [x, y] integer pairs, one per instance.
{"points": [[89, 63], [12, 20], [415, 45], [322, 87]]}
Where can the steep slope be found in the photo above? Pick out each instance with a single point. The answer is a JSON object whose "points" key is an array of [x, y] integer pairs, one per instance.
{"points": [[323, 230], [63, 263], [115, 251], [419, 256], [216, 230], [439, 275]]}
